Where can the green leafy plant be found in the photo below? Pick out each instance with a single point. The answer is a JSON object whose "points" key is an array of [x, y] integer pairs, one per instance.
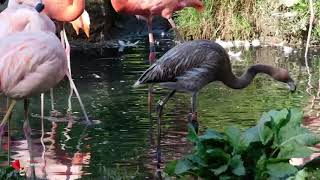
{"points": [[9, 173], [260, 152]]}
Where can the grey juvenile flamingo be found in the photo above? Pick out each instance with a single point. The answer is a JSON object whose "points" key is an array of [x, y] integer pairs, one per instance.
{"points": [[190, 66]]}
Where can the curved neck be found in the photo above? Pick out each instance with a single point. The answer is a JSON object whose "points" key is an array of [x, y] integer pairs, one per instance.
{"points": [[119, 5], [74, 10], [245, 79]]}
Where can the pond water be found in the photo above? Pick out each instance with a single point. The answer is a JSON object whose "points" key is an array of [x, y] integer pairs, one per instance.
{"points": [[123, 144]]}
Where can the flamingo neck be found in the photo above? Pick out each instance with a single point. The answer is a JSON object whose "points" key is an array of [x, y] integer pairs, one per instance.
{"points": [[119, 5], [75, 10], [245, 79]]}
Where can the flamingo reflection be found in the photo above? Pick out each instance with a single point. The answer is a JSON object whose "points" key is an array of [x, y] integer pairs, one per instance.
{"points": [[53, 162]]}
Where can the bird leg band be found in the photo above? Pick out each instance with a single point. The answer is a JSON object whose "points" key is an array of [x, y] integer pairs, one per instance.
{"points": [[39, 7]]}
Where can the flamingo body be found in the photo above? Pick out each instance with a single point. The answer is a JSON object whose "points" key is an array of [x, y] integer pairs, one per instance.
{"points": [[148, 8], [194, 64], [30, 63]]}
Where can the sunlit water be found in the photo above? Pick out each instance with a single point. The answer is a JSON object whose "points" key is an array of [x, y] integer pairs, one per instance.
{"points": [[123, 144]]}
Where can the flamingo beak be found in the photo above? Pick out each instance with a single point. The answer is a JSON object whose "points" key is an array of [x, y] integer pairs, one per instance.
{"points": [[83, 22], [292, 86], [86, 23], [76, 25]]}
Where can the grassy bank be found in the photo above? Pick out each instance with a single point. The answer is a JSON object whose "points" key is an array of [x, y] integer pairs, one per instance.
{"points": [[268, 20]]}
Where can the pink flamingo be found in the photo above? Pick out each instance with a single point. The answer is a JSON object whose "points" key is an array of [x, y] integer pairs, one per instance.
{"points": [[31, 63], [62, 11], [23, 17], [32, 59], [147, 9]]}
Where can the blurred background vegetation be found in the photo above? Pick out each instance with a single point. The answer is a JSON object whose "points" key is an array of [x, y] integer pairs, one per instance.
{"points": [[269, 20]]}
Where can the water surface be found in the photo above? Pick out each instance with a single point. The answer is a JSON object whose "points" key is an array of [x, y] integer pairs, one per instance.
{"points": [[123, 144]]}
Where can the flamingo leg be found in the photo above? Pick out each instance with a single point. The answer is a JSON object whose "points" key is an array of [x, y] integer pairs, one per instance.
{"points": [[79, 99], [152, 58], [6, 118], [8, 141], [67, 45], [27, 133], [150, 99], [152, 49], [174, 27], [161, 104], [194, 117]]}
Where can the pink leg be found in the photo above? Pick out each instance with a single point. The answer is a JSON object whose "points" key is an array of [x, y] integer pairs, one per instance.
{"points": [[27, 133], [174, 27], [69, 68], [5, 119], [9, 140], [89, 122], [152, 55]]}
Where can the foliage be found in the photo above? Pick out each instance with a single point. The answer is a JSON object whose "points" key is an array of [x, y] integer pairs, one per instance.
{"points": [[296, 18], [260, 152], [224, 19], [9, 173], [248, 19]]}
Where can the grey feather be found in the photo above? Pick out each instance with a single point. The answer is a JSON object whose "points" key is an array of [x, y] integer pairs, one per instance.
{"points": [[190, 65]]}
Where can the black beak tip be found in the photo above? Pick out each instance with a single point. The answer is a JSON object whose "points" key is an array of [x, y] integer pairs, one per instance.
{"points": [[293, 88]]}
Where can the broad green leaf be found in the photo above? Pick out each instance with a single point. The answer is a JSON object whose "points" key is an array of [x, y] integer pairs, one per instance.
{"points": [[279, 117], [281, 170], [218, 153], [250, 135], [264, 119], [301, 175], [225, 177], [265, 133], [183, 166], [170, 167], [220, 170], [192, 135], [233, 135], [196, 160], [295, 146], [294, 150], [236, 164], [211, 135], [296, 116]]}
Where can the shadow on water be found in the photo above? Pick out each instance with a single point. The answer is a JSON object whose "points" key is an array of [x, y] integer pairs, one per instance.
{"points": [[123, 144]]}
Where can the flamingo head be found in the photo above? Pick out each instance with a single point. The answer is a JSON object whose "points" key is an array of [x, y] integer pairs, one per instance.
{"points": [[83, 22]]}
